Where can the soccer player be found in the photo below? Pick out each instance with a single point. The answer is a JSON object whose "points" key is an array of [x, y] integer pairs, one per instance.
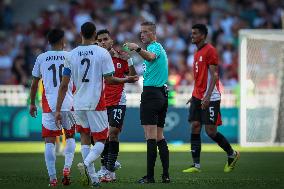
{"points": [[116, 104], [49, 67], [205, 100], [89, 65], [154, 100]]}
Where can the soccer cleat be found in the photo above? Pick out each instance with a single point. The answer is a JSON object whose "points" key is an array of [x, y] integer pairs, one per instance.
{"points": [[84, 176], [166, 179], [102, 172], [192, 169], [117, 165], [229, 167], [108, 177], [53, 183], [146, 180], [66, 177]]}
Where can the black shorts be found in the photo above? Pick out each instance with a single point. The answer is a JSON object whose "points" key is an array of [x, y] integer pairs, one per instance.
{"points": [[209, 116], [116, 115], [154, 106]]}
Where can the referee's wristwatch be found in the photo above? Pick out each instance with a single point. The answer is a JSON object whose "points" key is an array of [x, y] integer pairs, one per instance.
{"points": [[138, 49]]}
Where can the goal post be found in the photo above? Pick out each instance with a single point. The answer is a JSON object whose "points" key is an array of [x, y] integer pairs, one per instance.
{"points": [[261, 74]]}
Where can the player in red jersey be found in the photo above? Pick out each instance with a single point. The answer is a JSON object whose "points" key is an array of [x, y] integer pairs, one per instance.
{"points": [[205, 100], [116, 104]]}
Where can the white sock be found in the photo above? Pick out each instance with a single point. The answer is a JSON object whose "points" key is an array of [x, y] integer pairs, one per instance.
{"points": [[69, 152], [95, 152], [85, 150], [197, 165], [50, 160]]}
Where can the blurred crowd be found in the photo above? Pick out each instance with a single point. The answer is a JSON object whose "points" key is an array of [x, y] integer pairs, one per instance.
{"points": [[21, 43]]}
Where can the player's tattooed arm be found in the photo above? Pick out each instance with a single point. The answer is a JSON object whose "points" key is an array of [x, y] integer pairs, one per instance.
{"points": [[34, 86]]}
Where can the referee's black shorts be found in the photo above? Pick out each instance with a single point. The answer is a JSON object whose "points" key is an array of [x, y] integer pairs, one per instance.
{"points": [[154, 106]]}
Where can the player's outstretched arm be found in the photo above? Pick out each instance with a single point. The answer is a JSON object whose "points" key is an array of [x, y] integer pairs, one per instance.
{"points": [[143, 53], [115, 80], [34, 86]]}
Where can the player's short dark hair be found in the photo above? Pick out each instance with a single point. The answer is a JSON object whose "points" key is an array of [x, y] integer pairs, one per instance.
{"points": [[103, 31], [151, 24], [202, 28], [55, 35], [88, 29]]}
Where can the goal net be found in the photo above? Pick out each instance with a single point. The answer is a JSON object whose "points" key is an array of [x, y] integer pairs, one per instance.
{"points": [[262, 87]]}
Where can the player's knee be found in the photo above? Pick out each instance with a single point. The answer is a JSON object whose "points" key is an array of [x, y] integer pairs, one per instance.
{"points": [[113, 137], [195, 127], [210, 132], [50, 140], [85, 139]]}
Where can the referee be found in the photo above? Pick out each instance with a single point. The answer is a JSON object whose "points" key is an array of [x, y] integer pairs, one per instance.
{"points": [[154, 100]]}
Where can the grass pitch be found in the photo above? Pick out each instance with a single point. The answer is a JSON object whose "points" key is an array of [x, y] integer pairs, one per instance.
{"points": [[256, 169]]}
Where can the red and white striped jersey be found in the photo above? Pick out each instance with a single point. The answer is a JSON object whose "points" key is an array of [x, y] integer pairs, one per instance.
{"points": [[204, 57], [87, 65], [49, 67], [115, 94]]}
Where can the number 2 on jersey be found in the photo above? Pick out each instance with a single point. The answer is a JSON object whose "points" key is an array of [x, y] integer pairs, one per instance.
{"points": [[87, 69], [53, 68]]}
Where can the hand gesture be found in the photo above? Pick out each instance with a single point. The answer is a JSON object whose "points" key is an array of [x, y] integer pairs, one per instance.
{"points": [[33, 110], [205, 102], [131, 46], [58, 120], [189, 100]]}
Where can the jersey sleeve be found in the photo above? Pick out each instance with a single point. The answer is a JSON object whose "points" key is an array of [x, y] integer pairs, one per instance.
{"points": [[36, 68], [212, 57], [67, 66], [107, 64], [154, 48]]}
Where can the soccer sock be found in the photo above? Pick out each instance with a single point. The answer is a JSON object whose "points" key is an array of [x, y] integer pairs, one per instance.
{"points": [[94, 153], [69, 152], [85, 150], [104, 155], [164, 155], [223, 143], [112, 155], [151, 157], [195, 148], [50, 160]]}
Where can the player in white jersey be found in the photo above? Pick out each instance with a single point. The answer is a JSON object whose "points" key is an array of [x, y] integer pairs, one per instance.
{"points": [[49, 67], [88, 65]]}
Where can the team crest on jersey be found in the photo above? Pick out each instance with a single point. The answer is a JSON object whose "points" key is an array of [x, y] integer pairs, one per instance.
{"points": [[118, 65], [200, 58]]}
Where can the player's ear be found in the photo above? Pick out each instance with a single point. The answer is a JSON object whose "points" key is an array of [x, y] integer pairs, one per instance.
{"points": [[95, 35]]}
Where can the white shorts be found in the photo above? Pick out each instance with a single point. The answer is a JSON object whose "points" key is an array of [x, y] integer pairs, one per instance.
{"points": [[91, 121], [49, 128]]}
